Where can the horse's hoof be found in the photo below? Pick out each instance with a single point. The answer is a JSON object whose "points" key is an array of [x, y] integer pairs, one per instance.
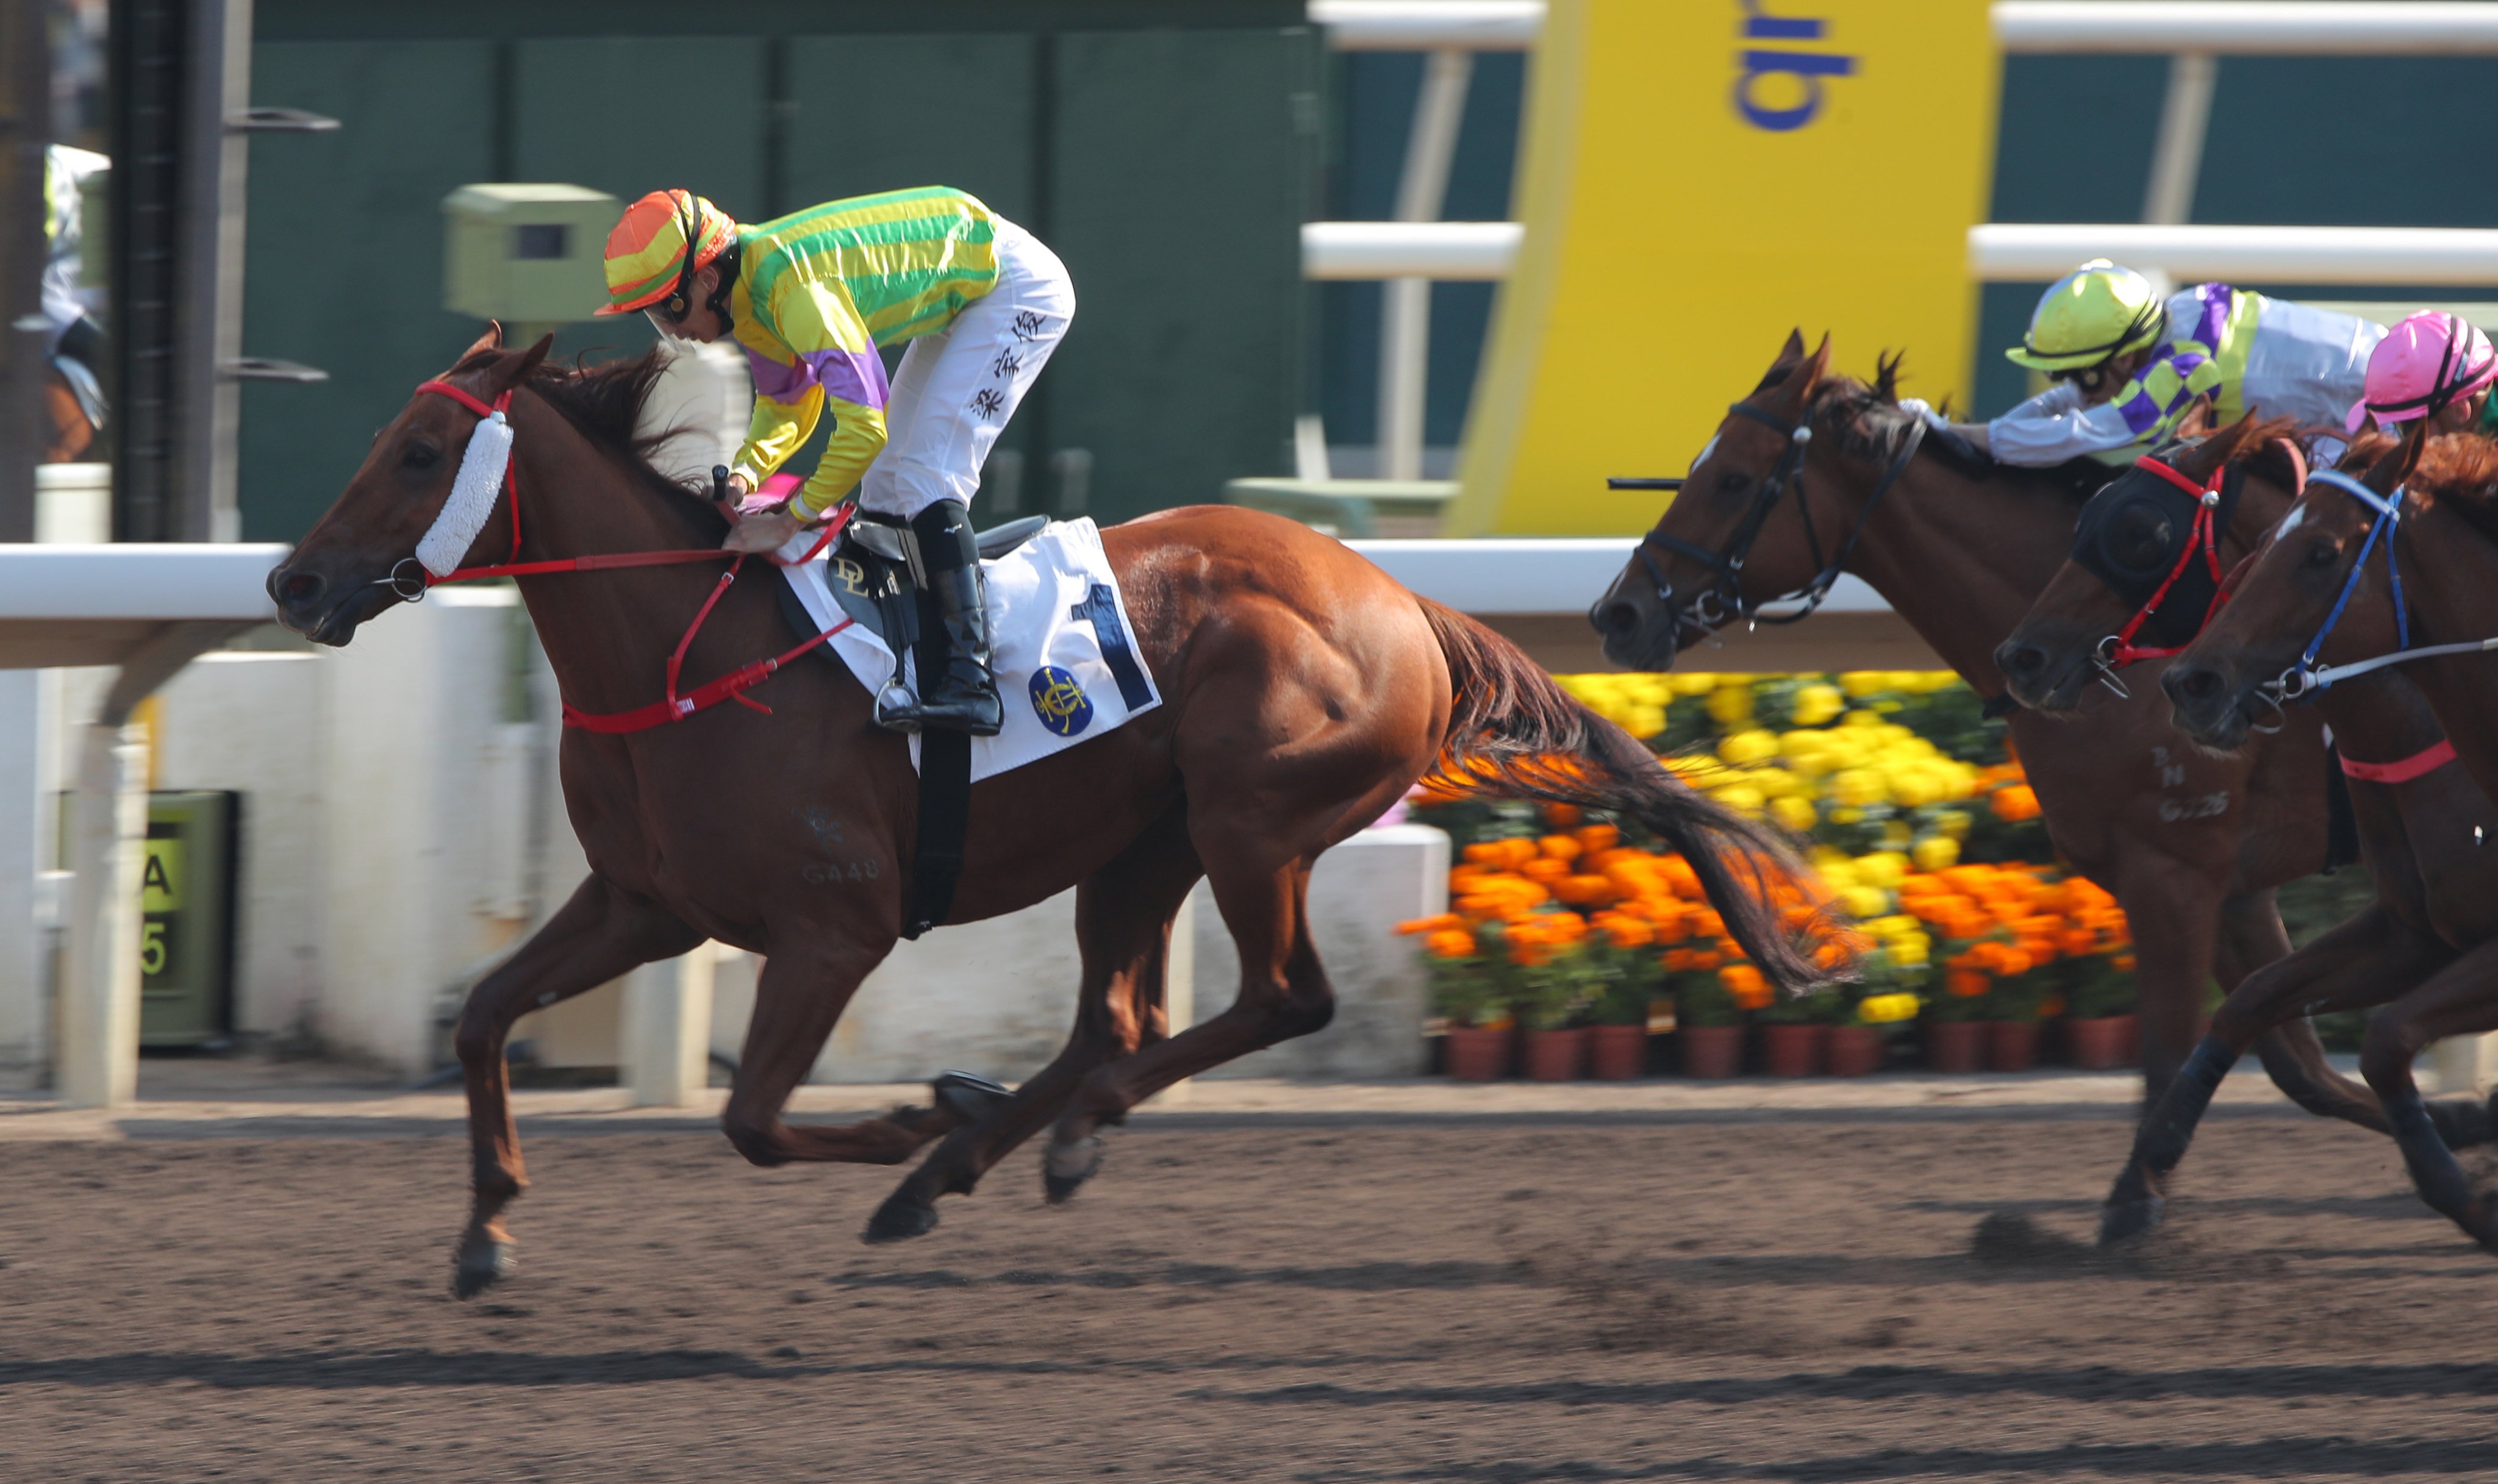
{"points": [[899, 1219], [1066, 1167], [2124, 1222], [970, 1098], [478, 1266]]}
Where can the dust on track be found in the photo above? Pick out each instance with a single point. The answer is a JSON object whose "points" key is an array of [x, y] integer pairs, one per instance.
{"points": [[1795, 1300]]}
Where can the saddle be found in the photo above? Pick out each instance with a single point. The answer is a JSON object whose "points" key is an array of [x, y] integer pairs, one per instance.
{"points": [[876, 577]]}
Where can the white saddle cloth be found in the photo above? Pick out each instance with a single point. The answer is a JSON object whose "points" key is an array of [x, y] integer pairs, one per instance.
{"points": [[1066, 660]]}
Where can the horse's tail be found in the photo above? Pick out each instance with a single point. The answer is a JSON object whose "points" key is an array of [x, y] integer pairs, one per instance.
{"points": [[1513, 731]]}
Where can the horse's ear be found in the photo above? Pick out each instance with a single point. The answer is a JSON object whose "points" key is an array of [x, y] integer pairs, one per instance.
{"points": [[492, 339], [2220, 447], [2396, 463], [1793, 350], [510, 370], [1814, 368]]}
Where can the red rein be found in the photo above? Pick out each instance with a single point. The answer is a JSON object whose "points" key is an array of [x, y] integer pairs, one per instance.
{"points": [[732, 687], [2203, 540]]}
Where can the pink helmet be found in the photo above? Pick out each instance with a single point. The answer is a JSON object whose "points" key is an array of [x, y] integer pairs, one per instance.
{"points": [[2422, 364]]}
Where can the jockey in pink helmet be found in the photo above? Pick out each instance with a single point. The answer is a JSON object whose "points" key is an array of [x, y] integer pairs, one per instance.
{"points": [[2435, 365]]}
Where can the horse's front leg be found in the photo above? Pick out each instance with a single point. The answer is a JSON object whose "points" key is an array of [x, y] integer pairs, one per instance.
{"points": [[2365, 961], [2461, 999], [800, 996], [602, 933]]}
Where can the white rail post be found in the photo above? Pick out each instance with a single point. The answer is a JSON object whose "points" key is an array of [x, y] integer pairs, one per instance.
{"points": [[667, 1030], [98, 1048], [1405, 308]]}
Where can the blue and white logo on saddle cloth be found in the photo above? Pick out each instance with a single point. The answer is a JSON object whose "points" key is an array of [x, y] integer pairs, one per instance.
{"points": [[1068, 665]]}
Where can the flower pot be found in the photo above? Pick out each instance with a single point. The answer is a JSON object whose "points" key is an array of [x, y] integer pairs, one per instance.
{"points": [[2011, 1045], [1711, 1051], [1478, 1053], [1955, 1046], [2132, 1039], [1618, 1053], [1792, 1051], [1853, 1051], [1556, 1055], [2100, 1042]]}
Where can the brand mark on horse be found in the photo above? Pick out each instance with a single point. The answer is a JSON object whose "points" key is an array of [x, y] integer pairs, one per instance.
{"points": [[1805, 68], [1059, 701]]}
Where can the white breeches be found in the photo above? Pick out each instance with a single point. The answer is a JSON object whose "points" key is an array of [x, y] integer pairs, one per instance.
{"points": [[956, 389]]}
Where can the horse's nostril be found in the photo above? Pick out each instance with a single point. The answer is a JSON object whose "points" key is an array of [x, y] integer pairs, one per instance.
{"points": [[2199, 684], [300, 587], [2024, 661], [1617, 618]]}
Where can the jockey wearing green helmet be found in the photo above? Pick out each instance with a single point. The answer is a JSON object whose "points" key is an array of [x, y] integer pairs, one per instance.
{"points": [[2127, 366], [811, 298]]}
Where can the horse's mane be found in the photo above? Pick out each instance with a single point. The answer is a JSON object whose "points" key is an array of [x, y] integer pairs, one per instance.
{"points": [[2460, 472], [603, 401], [1869, 427]]}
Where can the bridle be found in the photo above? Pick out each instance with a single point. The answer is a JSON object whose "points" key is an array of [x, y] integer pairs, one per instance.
{"points": [[2216, 501], [480, 487], [1723, 599], [2307, 676]]}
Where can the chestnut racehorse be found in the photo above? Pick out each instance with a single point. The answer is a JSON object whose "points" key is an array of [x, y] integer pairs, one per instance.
{"points": [[2419, 814], [2318, 591], [1304, 692], [2190, 846]]}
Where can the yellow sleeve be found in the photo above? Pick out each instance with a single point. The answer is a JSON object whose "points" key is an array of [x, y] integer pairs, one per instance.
{"points": [[824, 356]]}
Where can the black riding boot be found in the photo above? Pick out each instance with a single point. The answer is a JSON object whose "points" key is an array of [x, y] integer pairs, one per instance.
{"points": [[965, 698]]}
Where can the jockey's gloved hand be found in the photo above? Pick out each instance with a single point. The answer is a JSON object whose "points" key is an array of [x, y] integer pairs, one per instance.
{"points": [[761, 504], [1915, 406]]}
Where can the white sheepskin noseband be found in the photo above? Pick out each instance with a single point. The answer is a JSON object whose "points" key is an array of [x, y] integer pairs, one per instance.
{"points": [[472, 497]]}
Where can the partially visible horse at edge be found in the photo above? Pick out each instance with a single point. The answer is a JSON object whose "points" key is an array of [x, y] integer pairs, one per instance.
{"points": [[1304, 692]]}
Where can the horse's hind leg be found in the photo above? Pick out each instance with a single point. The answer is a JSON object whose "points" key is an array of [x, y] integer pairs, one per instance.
{"points": [[1123, 925], [601, 933], [2461, 999], [1284, 994]]}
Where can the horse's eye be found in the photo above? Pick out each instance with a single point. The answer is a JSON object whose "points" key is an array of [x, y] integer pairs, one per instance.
{"points": [[2143, 539], [2322, 553], [419, 455], [1732, 482]]}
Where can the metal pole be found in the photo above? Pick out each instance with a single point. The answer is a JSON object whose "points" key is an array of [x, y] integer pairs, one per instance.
{"points": [[1405, 312], [2177, 154], [25, 128], [208, 324]]}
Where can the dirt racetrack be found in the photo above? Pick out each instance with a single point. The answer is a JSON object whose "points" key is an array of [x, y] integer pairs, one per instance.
{"points": [[1239, 1299]]}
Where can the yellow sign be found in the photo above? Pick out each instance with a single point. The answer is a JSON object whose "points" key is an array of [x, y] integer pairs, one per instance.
{"points": [[1698, 177]]}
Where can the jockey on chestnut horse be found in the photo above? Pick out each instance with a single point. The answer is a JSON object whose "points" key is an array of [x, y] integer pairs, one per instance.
{"points": [[1303, 693]]}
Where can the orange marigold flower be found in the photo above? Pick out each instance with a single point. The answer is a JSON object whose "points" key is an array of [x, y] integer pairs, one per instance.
{"points": [[1596, 838], [1442, 923], [1563, 816], [1545, 868], [2015, 802], [1680, 875], [1558, 847], [1967, 982], [1708, 923], [1453, 943], [1585, 891], [1629, 932]]}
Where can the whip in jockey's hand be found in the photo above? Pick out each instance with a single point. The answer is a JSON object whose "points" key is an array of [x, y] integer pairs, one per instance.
{"points": [[2128, 366], [810, 297]]}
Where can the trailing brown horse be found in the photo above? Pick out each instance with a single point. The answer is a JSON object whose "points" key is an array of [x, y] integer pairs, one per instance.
{"points": [[2418, 815], [2318, 591], [1785, 497], [1304, 693]]}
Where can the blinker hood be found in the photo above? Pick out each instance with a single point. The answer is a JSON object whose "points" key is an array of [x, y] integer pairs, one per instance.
{"points": [[2189, 600]]}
